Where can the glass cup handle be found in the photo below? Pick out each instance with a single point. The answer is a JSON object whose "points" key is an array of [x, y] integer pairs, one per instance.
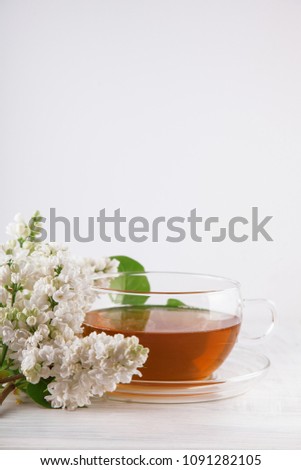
{"points": [[269, 307]]}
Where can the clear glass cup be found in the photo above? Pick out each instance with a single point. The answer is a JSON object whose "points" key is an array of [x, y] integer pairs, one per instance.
{"points": [[190, 322]]}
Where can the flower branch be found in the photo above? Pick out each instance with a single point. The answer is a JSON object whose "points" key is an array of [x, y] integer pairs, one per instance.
{"points": [[7, 390], [11, 378], [44, 295]]}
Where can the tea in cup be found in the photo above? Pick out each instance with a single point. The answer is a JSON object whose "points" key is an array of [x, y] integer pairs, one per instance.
{"points": [[189, 322]]}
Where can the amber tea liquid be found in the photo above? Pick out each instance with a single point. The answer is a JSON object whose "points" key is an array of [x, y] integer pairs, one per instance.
{"points": [[184, 343]]}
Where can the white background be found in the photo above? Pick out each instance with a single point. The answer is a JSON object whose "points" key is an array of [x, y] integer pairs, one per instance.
{"points": [[158, 107]]}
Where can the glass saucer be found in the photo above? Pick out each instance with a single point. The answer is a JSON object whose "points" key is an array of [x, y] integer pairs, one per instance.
{"points": [[240, 372]]}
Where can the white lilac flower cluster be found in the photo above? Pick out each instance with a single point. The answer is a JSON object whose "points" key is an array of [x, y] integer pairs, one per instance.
{"points": [[44, 294]]}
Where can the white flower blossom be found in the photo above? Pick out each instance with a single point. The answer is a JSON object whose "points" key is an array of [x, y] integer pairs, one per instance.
{"points": [[63, 293], [18, 229], [31, 321], [5, 275], [90, 366], [3, 296]]}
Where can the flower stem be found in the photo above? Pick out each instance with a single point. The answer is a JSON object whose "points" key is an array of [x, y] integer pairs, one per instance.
{"points": [[8, 389], [11, 378]]}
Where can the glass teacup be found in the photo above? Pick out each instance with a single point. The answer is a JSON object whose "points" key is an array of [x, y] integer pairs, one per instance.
{"points": [[189, 322]]}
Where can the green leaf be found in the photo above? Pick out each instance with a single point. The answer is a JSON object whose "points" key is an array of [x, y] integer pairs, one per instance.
{"points": [[4, 349], [38, 392], [175, 303], [4, 374], [130, 282]]}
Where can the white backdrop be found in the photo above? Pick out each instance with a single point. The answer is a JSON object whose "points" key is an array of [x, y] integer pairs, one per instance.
{"points": [[158, 107]]}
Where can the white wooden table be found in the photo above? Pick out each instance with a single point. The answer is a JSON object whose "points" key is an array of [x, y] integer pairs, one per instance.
{"points": [[267, 417]]}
